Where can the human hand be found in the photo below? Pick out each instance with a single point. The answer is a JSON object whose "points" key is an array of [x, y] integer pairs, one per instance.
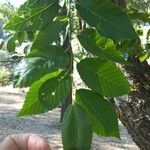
{"points": [[24, 142]]}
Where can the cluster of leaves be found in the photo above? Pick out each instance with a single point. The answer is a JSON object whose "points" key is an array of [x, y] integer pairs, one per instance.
{"points": [[142, 5], [4, 75], [7, 11], [46, 67], [139, 13]]}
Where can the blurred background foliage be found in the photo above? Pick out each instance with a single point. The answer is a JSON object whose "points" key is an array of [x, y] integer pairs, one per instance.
{"points": [[7, 11]]}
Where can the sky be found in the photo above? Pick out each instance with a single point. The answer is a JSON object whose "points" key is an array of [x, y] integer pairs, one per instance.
{"points": [[16, 3]]}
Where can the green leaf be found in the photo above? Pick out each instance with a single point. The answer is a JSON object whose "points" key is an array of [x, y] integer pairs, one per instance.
{"points": [[110, 52], [103, 76], [1, 44], [49, 34], [148, 35], [138, 15], [11, 44], [30, 36], [35, 16], [21, 37], [26, 49], [109, 20], [38, 63], [144, 57], [15, 23], [91, 41], [46, 94], [100, 111], [100, 46], [76, 129]]}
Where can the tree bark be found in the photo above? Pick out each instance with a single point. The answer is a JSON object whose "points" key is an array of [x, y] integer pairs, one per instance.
{"points": [[67, 46], [65, 104], [68, 100], [134, 110]]}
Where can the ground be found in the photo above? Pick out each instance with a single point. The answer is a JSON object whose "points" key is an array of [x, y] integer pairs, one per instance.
{"points": [[47, 124]]}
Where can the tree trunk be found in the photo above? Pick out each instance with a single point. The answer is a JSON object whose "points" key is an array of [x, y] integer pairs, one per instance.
{"points": [[134, 111], [68, 100], [65, 104], [67, 46]]}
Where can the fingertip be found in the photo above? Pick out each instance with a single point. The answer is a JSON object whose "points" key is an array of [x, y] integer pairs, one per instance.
{"points": [[35, 142]]}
